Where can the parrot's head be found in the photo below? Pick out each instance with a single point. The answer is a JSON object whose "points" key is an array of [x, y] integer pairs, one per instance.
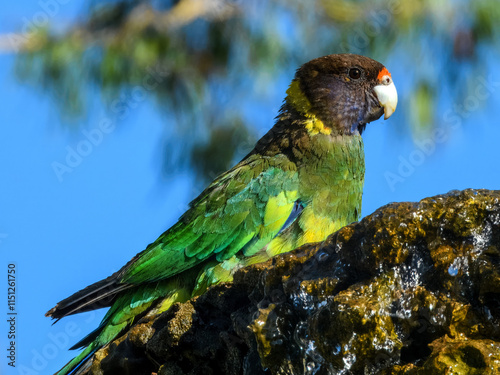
{"points": [[344, 92]]}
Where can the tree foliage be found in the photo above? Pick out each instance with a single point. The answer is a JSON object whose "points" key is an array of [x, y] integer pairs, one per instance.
{"points": [[213, 59]]}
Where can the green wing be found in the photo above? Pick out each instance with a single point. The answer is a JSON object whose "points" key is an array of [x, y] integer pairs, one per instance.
{"points": [[242, 210]]}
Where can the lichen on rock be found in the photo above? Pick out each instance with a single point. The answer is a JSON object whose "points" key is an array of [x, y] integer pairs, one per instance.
{"points": [[413, 288]]}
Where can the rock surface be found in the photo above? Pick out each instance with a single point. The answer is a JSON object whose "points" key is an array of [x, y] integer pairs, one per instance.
{"points": [[413, 288]]}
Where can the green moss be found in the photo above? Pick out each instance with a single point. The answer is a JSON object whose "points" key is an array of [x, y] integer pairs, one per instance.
{"points": [[463, 356]]}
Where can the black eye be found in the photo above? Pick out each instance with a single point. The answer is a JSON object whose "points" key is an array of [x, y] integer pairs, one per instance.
{"points": [[354, 73]]}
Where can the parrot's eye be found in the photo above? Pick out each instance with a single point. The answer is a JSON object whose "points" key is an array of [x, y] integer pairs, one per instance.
{"points": [[354, 73]]}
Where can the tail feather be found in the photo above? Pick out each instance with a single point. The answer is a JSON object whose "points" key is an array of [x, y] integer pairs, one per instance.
{"points": [[87, 340], [98, 295], [127, 308], [80, 364]]}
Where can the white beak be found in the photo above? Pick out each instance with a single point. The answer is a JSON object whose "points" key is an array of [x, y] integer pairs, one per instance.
{"points": [[387, 96]]}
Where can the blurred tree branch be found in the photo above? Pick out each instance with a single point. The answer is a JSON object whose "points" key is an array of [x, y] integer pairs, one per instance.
{"points": [[216, 55], [141, 17]]}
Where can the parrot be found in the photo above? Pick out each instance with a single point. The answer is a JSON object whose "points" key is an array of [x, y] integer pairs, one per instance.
{"points": [[302, 181]]}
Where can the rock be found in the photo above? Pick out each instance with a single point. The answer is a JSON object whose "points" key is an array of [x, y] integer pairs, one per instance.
{"points": [[413, 288]]}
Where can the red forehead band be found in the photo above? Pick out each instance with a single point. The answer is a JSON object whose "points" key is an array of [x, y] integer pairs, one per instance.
{"points": [[383, 72]]}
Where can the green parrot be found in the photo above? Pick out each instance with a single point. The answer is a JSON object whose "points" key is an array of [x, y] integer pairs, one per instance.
{"points": [[301, 182]]}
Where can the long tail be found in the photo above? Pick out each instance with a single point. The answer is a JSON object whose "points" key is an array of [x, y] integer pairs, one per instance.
{"points": [[80, 364], [127, 308], [101, 294], [98, 295]]}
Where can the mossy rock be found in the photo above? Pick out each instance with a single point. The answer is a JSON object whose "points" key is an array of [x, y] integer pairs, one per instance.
{"points": [[413, 288]]}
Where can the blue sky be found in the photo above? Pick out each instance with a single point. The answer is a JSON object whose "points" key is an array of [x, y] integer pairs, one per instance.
{"points": [[64, 235]]}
